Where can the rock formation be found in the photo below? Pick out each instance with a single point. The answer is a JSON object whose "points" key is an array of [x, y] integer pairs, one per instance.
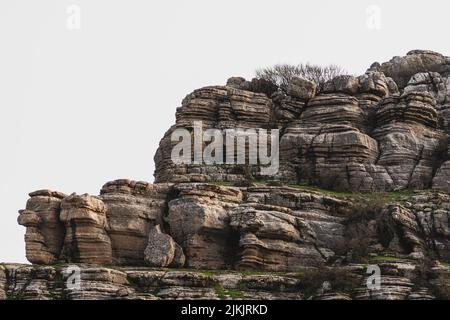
{"points": [[364, 179]]}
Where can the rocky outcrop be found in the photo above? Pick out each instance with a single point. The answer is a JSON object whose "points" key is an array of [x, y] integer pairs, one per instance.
{"points": [[363, 180], [401, 69], [86, 239], [283, 229], [132, 208], [199, 221], [2, 283], [45, 232], [47, 282], [382, 131]]}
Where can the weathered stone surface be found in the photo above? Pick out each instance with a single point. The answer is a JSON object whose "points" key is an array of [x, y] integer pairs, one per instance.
{"points": [[132, 209], [342, 84], [217, 107], [408, 140], [400, 107], [441, 180], [432, 83], [99, 284], [385, 131], [86, 238], [338, 157], [2, 283], [45, 232], [418, 229], [332, 109], [162, 250], [199, 222], [301, 88], [283, 229], [286, 108], [401, 69]]}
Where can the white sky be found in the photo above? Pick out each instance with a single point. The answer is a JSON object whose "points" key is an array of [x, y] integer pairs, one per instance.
{"points": [[80, 108]]}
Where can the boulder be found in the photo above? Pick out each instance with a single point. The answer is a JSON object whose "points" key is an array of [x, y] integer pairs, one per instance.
{"points": [[162, 250], [301, 88]]}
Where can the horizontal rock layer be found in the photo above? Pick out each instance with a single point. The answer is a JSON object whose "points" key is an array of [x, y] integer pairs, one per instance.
{"points": [[95, 283]]}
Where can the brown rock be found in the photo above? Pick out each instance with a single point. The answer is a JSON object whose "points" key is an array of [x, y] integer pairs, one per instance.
{"points": [[301, 88], [132, 209], [45, 233], [86, 238]]}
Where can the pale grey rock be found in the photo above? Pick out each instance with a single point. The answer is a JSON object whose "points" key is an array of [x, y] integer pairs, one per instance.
{"points": [[162, 250]]}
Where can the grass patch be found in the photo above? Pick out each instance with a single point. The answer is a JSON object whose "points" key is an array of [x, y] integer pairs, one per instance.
{"points": [[337, 194], [384, 259], [221, 292], [251, 273], [230, 293], [209, 274], [445, 264], [235, 294]]}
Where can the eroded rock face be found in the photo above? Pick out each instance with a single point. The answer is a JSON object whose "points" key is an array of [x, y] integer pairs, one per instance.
{"points": [[382, 131], [2, 283], [401, 69], [338, 157], [162, 250], [385, 131], [216, 107], [282, 229], [199, 221], [132, 209], [86, 238], [46, 282], [45, 232]]}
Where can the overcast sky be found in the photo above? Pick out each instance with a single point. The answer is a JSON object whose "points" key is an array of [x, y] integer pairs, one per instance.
{"points": [[85, 101]]}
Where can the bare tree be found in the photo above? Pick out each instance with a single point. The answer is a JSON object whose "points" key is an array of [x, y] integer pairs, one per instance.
{"points": [[281, 74]]}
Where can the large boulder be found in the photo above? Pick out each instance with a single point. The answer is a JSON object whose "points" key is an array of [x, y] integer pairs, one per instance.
{"points": [[162, 251]]}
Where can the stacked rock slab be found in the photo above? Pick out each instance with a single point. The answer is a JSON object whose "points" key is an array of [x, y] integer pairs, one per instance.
{"points": [[199, 221], [283, 229], [382, 131], [86, 238], [133, 208], [330, 145], [386, 130], [401, 69], [225, 107], [45, 232], [408, 139]]}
